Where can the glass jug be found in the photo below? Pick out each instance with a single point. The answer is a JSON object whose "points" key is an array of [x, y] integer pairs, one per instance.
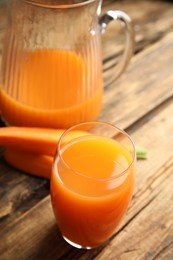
{"points": [[51, 73]]}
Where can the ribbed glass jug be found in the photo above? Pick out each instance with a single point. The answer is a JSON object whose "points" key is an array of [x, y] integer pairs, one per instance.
{"points": [[51, 73]]}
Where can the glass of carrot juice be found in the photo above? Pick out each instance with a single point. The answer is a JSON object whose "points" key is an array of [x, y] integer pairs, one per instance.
{"points": [[92, 182]]}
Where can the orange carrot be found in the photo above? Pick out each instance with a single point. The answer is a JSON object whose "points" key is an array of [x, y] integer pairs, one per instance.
{"points": [[35, 164], [34, 140]]}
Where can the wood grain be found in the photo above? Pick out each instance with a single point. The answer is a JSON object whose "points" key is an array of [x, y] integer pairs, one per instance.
{"points": [[146, 84], [18, 192], [151, 20]]}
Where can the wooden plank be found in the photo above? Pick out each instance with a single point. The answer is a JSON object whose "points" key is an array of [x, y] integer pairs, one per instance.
{"points": [[151, 21], [18, 192], [145, 85], [165, 253], [37, 227]]}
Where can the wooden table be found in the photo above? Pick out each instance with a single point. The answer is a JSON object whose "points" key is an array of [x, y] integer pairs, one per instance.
{"points": [[141, 102]]}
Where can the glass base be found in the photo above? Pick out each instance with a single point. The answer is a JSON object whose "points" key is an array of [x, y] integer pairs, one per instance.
{"points": [[76, 245]]}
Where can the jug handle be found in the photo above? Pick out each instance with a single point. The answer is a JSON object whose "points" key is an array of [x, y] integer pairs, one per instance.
{"points": [[104, 20]]}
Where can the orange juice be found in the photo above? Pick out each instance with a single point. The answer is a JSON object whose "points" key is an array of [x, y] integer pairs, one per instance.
{"points": [[50, 88], [91, 189]]}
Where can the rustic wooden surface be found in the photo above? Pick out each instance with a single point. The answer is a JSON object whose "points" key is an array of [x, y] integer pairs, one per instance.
{"points": [[141, 102]]}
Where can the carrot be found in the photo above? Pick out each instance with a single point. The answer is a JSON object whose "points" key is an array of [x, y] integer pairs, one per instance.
{"points": [[34, 140], [35, 164]]}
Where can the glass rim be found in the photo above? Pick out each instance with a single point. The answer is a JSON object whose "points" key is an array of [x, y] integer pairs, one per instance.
{"points": [[59, 155], [59, 6]]}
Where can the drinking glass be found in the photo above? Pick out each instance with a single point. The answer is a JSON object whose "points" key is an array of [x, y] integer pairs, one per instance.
{"points": [[92, 182]]}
